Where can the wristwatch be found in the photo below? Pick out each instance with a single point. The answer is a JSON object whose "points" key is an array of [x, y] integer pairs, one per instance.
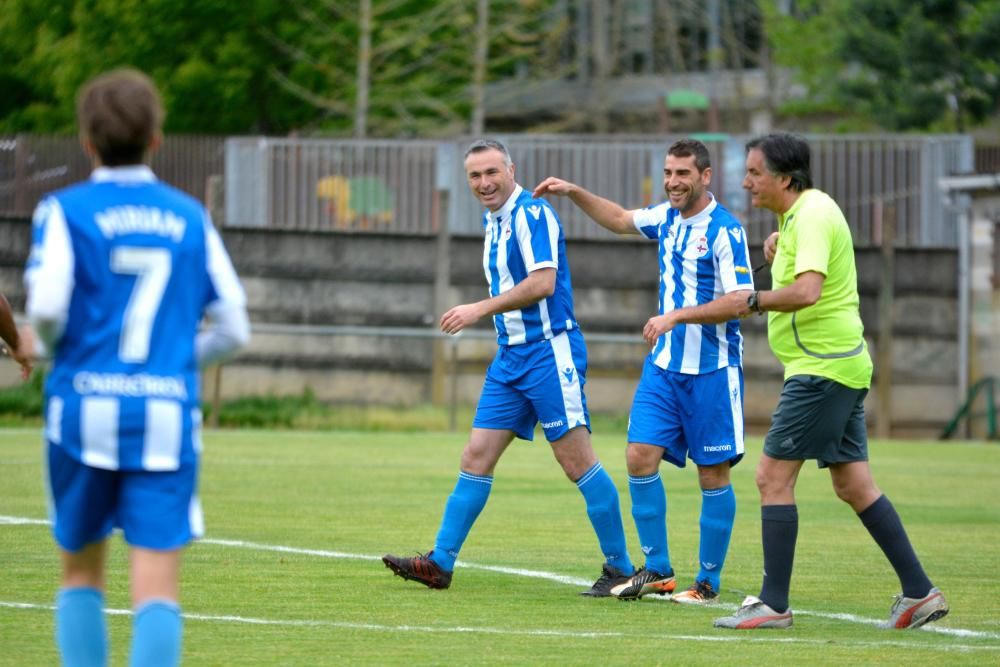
{"points": [[753, 302]]}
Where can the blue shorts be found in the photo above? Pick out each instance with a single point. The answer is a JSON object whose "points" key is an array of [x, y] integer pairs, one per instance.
{"points": [[536, 382], [155, 510], [696, 416]]}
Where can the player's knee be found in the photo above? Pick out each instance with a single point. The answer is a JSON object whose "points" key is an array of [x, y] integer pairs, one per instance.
{"points": [[768, 484], [856, 495], [642, 460], [713, 477], [476, 462]]}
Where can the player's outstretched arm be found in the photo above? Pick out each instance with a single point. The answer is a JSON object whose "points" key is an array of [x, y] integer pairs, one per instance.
{"points": [[604, 212], [19, 343]]}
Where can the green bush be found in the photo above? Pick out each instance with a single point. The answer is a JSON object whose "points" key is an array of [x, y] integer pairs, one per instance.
{"points": [[264, 411], [22, 402]]}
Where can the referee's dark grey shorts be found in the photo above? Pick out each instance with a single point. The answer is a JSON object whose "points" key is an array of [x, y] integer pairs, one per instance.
{"points": [[818, 418]]}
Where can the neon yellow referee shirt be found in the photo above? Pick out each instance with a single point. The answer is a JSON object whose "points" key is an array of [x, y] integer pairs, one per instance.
{"points": [[826, 338]]}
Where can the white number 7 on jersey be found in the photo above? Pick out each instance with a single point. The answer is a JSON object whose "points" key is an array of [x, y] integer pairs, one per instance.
{"points": [[151, 267]]}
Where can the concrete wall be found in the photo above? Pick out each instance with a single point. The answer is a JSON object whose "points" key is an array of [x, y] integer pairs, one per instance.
{"points": [[368, 279]]}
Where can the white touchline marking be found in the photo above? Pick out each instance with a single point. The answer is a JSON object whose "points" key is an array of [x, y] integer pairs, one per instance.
{"points": [[736, 637], [22, 521], [558, 578], [536, 574]]}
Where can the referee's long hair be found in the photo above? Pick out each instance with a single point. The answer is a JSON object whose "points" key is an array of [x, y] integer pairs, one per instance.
{"points": [[785, 155]]}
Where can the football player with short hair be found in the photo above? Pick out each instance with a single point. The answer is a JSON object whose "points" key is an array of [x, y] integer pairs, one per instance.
{"points": [[689, 402], [537, 376], [122, 270]]}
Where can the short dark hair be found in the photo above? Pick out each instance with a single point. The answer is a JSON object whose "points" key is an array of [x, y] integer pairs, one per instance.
{"points": [[481, 145], [689, 147], [785, 155], [120, 112]]}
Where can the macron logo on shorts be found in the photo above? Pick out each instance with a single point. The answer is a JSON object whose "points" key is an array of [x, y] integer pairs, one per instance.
{"points": [[554, 424], [568, 374], [718, 448]]}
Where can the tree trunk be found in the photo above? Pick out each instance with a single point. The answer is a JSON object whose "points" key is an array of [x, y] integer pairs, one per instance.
{"points": [[364, 63], [479, 71]]}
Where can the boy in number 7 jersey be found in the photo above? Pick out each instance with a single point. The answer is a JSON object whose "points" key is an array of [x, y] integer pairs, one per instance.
{"points": [[122, 270]]}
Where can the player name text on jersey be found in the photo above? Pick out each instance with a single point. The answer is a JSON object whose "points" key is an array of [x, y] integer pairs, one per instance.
{"points": [[120, 220]]}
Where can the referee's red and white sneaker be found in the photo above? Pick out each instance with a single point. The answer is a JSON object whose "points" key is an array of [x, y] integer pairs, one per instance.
{"points": [[913, 612], [754, 614]]}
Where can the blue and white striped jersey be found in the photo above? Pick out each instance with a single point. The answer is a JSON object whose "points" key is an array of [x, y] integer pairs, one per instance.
{"points": [[126, 266], [701, 258], [523, 236]]}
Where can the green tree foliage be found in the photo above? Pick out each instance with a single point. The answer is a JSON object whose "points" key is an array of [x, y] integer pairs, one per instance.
{"points": [[281, 66], [905, 64], [208, 58], [269, 66], [421, 63]]}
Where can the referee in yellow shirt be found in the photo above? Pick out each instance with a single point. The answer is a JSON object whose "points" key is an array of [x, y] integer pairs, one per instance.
{"points": [[814, 328]]}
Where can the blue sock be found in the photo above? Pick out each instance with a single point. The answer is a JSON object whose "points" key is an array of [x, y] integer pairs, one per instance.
{"points": [[460, 512], [81, 633], [718, 510], [649, 509], [605, 514], [156, 635]]}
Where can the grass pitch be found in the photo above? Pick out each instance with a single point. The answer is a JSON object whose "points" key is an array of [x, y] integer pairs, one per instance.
{"points": [[289, 572]]}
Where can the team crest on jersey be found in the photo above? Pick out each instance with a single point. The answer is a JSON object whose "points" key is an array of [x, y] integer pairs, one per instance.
{"points": [[701, 246], [535, 211]]}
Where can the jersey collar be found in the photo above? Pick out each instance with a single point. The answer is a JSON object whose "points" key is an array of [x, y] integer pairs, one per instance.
{"points": [[701, 216], [787, 216], [133, 173], [503, 215]]}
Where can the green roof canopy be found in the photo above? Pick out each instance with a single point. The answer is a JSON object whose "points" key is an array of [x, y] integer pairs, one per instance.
{"points": [[686, 99]]}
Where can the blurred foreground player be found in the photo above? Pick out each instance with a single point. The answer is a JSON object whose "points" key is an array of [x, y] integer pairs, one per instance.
{"points": [[122, 270]]}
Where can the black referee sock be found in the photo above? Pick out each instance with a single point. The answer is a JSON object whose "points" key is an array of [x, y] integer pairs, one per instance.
{"points": [[882, 521], [779, 528]]}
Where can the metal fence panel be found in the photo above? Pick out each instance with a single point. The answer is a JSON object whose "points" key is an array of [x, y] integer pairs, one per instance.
{"points": [[394, 186], [331, 185], [33, 165]]}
